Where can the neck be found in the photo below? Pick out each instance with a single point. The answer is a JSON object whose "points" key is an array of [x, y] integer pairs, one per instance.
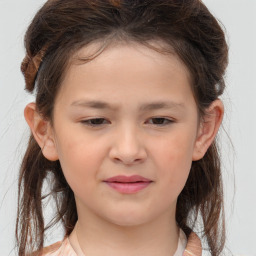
{"points": [[96, 236]]}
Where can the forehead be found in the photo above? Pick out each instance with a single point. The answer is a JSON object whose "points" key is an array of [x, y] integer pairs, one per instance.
{"points": [[125, 67], [156, 49], [106, 51]]}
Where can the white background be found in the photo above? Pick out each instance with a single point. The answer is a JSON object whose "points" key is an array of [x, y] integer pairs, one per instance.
{"points": [[239, 19]]}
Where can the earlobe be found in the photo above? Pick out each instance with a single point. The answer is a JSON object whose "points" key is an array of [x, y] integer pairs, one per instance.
{"points": [[42, 132], [208, 129]]}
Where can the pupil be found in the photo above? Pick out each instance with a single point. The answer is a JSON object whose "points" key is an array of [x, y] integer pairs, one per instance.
{"points": [[158, 120], [97, 121]]}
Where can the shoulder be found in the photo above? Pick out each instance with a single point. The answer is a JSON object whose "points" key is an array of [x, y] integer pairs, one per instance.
{"points": [[61, 248], [194, 246], [51, 250]]}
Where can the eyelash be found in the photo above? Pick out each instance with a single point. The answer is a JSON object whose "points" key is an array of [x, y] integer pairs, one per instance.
{"points": [[89, 122], [166, 120]]}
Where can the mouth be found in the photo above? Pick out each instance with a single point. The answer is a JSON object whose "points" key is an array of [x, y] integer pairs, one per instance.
{"points": [[128, 184]]}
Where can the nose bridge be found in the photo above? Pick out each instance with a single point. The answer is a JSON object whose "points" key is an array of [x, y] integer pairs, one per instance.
{"points": [[128, 145], [128, 138]]}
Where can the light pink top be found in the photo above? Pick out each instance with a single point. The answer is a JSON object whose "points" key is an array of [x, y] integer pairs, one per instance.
{"points": [[190, 247]]}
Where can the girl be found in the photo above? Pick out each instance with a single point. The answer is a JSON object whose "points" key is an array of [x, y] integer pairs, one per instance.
{"points": [[123, 128]]}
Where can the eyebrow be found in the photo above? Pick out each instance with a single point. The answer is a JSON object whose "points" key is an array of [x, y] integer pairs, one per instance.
{"points": [[144, 107]]}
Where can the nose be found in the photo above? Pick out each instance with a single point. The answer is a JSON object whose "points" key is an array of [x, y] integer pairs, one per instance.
{"points": [[128, 147]]}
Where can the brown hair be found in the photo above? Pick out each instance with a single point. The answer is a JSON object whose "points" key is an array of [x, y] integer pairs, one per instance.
{"points": [[62, 27]]}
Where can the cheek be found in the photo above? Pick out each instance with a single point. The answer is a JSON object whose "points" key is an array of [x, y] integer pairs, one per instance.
{"points": [[173, 158], [79, 160], [175, 170]]}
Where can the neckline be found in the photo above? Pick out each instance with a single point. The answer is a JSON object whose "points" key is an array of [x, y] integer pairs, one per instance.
{"points": [[181, 246], [192, 246]]}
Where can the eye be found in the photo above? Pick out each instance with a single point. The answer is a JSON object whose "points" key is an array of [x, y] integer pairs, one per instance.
{"points": [[94, 122], [160, 121]]}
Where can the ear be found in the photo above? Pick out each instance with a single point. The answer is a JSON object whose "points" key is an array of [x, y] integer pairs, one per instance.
{"points": [[42, 132], [208, 129]]}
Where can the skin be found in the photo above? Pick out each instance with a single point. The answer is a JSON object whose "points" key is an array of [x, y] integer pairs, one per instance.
{"points": [[126, 141]]}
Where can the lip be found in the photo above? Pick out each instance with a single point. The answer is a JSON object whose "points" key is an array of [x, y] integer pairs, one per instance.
{"points": [[128, 184]]}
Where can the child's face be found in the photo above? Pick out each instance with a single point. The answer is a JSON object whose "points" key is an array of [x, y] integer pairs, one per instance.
{"points": [[128, 112]]}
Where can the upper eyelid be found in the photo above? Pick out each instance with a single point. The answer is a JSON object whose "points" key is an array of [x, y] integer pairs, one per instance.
{"points": [[153, 117], [162, 117], [171, 120], [86, 121]]}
